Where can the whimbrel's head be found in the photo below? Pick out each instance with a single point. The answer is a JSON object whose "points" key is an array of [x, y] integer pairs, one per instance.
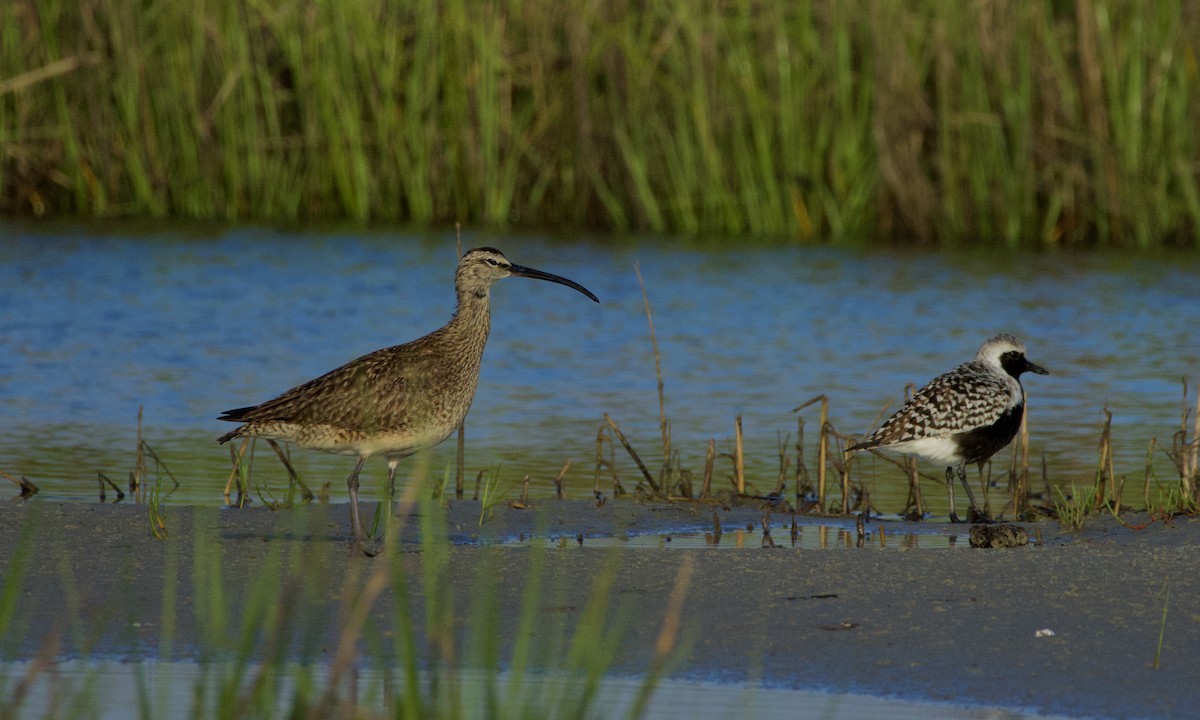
{"points": [[482, 266], [1005, 352]]}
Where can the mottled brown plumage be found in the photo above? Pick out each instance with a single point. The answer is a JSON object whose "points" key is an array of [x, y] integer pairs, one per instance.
{"points": [[398, 400]]}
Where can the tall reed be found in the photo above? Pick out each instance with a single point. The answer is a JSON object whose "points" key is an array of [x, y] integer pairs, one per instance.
{"points": [[987, 122]]}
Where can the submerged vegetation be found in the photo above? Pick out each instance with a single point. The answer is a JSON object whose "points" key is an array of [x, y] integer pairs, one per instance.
{"points": [[1022, 124], [377, 638]]}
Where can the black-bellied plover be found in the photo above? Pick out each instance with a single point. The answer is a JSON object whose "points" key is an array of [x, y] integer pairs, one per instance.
{"points": [[398, 400], [964, 416]]}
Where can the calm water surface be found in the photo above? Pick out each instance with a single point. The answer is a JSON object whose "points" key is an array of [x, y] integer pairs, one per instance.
{"points": [[96, 324], [170, 690]]}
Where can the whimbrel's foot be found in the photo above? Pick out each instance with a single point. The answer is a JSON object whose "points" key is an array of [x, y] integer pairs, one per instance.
{"points": [[365, 546]]}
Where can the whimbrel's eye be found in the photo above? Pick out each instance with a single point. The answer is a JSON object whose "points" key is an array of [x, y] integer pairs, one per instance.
{"points": [[491, 261]]}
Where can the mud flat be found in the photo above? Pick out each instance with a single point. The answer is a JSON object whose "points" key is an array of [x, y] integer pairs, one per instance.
{"points": [[1070, 626]]}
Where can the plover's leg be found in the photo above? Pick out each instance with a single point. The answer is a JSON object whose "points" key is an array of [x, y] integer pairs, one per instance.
{"points": [[974, 510], [950, 493]]}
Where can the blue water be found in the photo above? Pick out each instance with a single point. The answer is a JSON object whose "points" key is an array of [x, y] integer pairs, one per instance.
{"points": [[97, 322]]}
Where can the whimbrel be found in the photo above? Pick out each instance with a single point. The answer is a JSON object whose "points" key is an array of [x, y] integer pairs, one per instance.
{"points": [[398, 400], [964, 416]]}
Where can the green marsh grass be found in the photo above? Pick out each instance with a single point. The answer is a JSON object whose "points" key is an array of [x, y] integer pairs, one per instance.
{"points": [[1011, 124], [283, 645]]}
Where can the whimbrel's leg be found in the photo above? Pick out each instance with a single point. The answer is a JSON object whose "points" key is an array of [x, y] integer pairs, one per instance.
{"points": [[974, 512], [352, 484], [391, 483], [950, 493]]}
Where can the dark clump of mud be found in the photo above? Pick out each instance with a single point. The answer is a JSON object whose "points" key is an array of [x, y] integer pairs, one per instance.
{"points": [[1002, 535]]}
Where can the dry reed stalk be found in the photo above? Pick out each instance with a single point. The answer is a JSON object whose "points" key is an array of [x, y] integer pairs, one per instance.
{"points": [[478, 484], [1149, 471], [48, 71], [767, 540], [599, 460], [27, 487], [785, 461], [822, 447], [44, 663], [293, 476], [235, 458], [822, 453], [739, 458], [139, 464], [102, 479], [633, 454], [1105, 461], [346, 654], [671, 622], [801, 469], [710, 459], [160, 464], [845, 474], [1014, 480], [662, 403], [558, 481], [1046, 490]]}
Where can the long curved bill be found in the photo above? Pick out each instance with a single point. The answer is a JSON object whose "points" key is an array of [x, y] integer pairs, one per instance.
{"points": [[522, 271]]}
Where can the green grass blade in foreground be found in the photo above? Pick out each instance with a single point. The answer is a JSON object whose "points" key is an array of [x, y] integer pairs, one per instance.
{"points": [[14, 573]]}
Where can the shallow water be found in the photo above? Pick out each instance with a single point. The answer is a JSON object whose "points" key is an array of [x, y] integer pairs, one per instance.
{"points": [[807, 536], [98, 322], [106, 689]]}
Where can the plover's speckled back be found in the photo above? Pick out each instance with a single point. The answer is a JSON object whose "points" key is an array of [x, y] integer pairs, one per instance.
{"points": [[964, 416]]}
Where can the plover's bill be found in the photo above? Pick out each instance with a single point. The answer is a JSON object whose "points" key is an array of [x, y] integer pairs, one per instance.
{"points": [[964, 416]]}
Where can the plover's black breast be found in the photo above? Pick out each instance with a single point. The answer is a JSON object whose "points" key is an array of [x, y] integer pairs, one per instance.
{"points": [[956, 415]]}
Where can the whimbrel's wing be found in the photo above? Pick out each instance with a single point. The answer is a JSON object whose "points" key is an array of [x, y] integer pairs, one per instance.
{"points": [[366, 395], [968, 397]]}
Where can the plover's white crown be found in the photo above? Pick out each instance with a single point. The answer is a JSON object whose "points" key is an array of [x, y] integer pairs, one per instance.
{"points": [[971, 399]]}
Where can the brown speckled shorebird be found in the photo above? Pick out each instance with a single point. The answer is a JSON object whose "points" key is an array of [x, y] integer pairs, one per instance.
{"points": [[398, 400]]}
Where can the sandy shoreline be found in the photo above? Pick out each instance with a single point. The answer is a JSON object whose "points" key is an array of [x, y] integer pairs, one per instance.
{"points": [[958, 625]]}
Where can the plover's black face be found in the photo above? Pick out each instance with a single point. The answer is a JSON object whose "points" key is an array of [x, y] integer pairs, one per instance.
{"points": [[1014, 363], [1007, 353]]}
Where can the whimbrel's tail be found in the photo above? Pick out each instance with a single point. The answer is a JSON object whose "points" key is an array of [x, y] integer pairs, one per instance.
{"points": [[234, 415]]}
